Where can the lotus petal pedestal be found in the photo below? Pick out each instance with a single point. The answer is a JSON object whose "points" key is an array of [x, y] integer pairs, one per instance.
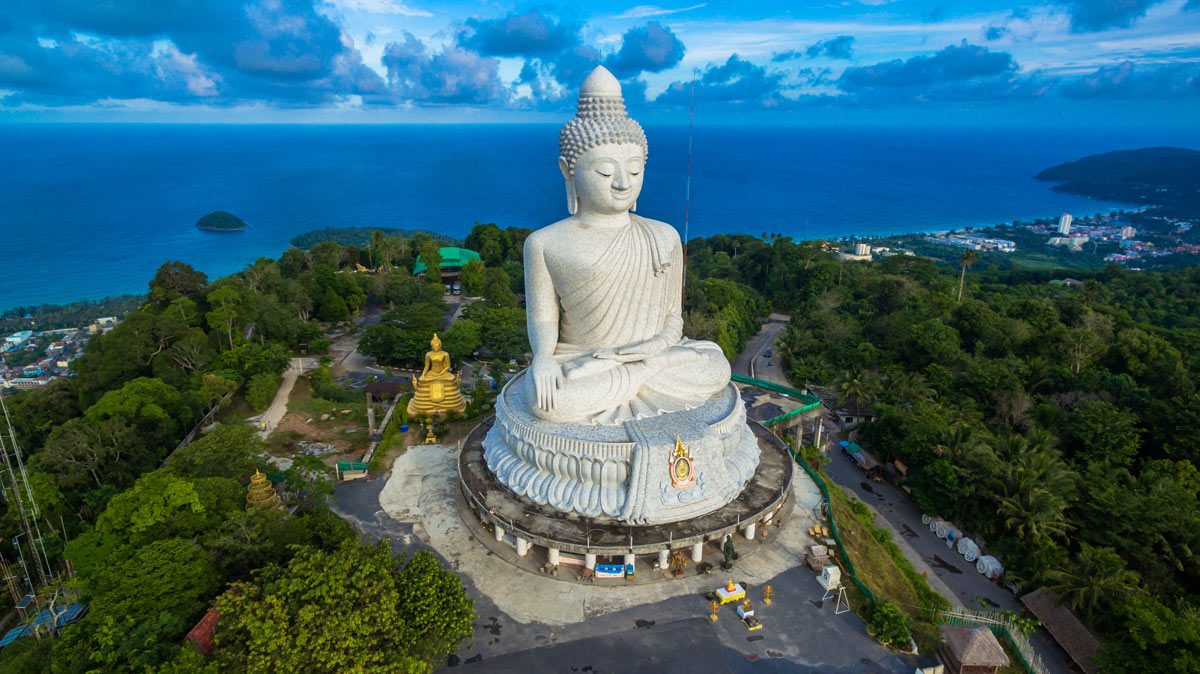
{"points": [[628, 471]]}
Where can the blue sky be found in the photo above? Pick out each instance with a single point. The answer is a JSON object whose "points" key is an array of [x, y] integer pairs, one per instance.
{"points": [[1095, 62]]}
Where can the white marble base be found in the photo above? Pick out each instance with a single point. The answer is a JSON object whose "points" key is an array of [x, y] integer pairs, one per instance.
{"points": [[622, 471]]}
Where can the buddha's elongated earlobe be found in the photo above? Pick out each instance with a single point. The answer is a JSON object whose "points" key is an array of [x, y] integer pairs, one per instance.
{"points": [[572, 198], [569, 179], [633, 208]]}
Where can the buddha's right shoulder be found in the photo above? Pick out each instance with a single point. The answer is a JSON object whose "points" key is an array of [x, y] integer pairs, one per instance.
{"points": [[545, 237]]}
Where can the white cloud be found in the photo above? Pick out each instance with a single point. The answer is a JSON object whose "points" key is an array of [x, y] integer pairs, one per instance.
{"points": [[645, 11], [379, 7]]}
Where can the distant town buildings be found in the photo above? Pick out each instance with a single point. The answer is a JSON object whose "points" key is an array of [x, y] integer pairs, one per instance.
{"points": [[1064, 224], [16, 339], [1128, 232], [1072, 242], [974, 242], [50, 359], [102, 324], [862, 253]]}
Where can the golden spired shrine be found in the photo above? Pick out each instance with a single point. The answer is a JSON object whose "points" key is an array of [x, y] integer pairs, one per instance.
{"points": [[437, 390], [261, 493]]}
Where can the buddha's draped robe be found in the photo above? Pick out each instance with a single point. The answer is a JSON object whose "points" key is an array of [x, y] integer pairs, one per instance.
{"points": [[631, 293]]}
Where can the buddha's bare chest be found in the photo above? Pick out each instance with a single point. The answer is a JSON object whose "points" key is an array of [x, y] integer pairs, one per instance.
{"points": [[580, 254]]}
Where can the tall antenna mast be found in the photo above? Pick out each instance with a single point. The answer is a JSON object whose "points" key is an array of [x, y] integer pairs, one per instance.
{"points": [[687, 203], [26, 505]]}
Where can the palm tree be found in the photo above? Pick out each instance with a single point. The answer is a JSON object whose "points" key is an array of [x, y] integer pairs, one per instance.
{"points": [[957, 442], [1034, 513], [968, 259], [1096, 579], [856, 385], [910, 387]]}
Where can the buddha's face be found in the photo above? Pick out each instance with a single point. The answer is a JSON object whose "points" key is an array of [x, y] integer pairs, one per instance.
{"points": [[608, 178]]}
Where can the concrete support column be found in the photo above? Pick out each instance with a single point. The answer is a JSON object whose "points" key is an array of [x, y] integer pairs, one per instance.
{"points": [[589, 560], [664, 557], [629, 561], [499, 532], [820, 425], [552, 556], [698, 552], [749, 531], [522, 547]]}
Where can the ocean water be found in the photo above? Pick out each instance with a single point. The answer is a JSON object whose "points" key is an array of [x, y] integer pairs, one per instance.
{"points": [[92, 210]]}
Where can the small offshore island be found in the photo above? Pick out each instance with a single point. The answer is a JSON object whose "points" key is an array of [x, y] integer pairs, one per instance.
{"points": [[220, 221]]}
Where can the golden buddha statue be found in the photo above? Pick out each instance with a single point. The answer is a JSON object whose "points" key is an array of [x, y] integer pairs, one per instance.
{"points": [[261, 493], [436, 391]]}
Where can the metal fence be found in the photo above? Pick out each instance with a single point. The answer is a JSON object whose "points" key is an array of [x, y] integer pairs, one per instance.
{"points": [[833, 525], [1002, 625]]}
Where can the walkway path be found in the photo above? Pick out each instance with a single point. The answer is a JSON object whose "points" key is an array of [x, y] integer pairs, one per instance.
{"points": [[269, 419]]}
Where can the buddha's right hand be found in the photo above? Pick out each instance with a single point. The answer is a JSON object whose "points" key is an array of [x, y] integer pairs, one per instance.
{"points": [[547, 379]]}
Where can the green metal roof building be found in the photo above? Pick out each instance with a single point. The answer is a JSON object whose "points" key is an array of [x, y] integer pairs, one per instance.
{"points": [[454, 258]]}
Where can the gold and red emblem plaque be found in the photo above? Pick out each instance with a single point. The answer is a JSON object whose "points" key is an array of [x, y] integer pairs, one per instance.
{"points": [[682, 468]]}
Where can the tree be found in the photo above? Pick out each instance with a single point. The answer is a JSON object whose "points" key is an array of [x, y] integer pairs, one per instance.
{"points": [[140, 605], [310, 480], [161, 505], [344, 610], [251, 359], [150, 404], [1034, 514], [327, 253], [261, 390], [176, 280], [35, 413], [497, 291], [936, 488], [402, 337], [463, 338], [229, 450], [889, 624], [472, 278], [1155, 639], [214, 387], [504, 332], [224, 301], [432, 257], [333, 307], [1104, 432], [81, 452], [1095, 580], [856, 386], [968, 260]]}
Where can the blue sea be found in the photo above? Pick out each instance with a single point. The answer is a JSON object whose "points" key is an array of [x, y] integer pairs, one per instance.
{"points": [[88, 211]]}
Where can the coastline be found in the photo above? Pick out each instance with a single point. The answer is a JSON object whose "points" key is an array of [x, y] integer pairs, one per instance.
{"points": [[233, 266]]}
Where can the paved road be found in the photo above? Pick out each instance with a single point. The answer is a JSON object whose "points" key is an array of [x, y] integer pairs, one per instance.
{"points": [[752, 363], [948, 572]]}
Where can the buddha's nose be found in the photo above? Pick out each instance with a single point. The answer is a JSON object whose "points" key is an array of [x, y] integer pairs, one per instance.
{"points": [[621, 180]]}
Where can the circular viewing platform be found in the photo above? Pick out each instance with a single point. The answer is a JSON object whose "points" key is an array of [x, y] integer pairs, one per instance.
{"points": [[576, 539]]}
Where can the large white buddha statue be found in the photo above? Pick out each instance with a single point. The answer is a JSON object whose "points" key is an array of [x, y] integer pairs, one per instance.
{"points": [[604, 286], [596, 423]]}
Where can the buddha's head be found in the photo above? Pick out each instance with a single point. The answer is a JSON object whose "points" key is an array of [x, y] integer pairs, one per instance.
{"points": [[436, 343], [602, 150]]}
